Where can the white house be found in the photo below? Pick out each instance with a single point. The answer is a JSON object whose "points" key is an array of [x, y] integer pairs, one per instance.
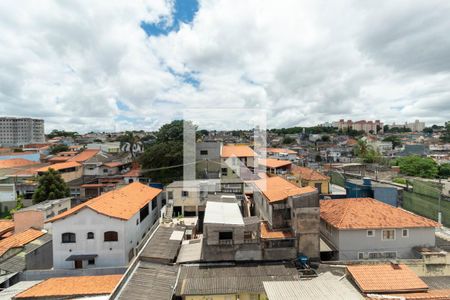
{"points": [[104, 231]]}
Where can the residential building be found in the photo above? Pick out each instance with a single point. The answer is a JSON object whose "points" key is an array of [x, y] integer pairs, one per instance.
{"points": [[207, 156], [237, 162], [35, 216], [365, 228], [110, 147], [104, 231], [8, 197], [363, 125], [279, 153], [416, 126], [292, 218], [310, 177], [21, 131], [69, 170], [274, 166], [71, 287]]}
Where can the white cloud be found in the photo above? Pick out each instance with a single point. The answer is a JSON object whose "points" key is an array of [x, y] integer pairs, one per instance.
{"points": [[305, 62]]}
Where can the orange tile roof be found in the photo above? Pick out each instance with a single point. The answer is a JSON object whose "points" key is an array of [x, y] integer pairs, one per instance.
{"points": [[238, 151], [72, 287], [308, 173], [428, 295], [266, 233], [59, 159], [16, 162], [6, 226], [276, 188], [19, 239], [121, 204], [279, 150], [274, 163], [59, 166], [114, 164], [367, 213], [85, 155], [133, 173], [384, 278]]}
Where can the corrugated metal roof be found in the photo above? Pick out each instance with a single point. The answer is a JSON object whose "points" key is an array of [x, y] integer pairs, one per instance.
{"points": [[190, 252], [231, 279], [161, 247], [326, 286]]}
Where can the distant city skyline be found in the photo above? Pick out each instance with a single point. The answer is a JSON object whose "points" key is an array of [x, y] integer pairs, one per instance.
{"points": [[113, 66]]}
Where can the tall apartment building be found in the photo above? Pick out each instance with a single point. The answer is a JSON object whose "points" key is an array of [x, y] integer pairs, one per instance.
{"points": [[415, 126], [21, 131], [363, 125]]}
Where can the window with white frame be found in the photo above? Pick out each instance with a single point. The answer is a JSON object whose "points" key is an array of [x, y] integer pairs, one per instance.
{"points": [[390, 254], [388, 234], [405, 233], [360, 255], [370, 233]]}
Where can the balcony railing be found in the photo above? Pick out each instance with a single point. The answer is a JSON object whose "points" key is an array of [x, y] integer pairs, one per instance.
{"points": [[226, 242]]}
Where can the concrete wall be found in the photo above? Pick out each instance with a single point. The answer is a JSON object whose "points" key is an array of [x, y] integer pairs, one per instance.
{"points": [[7, 197], [41, 258], [350, 242], [24, 220], [69, 176]]}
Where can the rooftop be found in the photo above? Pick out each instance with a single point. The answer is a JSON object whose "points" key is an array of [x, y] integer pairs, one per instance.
{"points": [[364, 213], [308, 173], [223, 213], [59, 166], [5, 226], [386, 278], [15, 163], [279, 150], [274, 163], [19, 239], [85, 155], [72, 286], [163, 245], [238, 151], [277, 189], [266, 233], [44, 205], [121, 204]]}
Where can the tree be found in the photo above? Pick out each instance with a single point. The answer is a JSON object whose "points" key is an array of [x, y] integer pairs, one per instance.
{"points": [[396, 142], [428, 130], [386, 128], [325, 138], [62, 133], [444, 170], [131, 140], [446, 136], [414, 165], [365, 151], [58, 148], [288, 140], [50, 186]]}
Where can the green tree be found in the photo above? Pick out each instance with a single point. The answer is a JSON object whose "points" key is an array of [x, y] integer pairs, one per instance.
{"points": [[131, 140], [444, 170], [50, 186], [62, 133], [428, 130], [396, 142], [58, 148], [365, 152], [325, 138], [446, 136], [414, 165], [288, 140]]}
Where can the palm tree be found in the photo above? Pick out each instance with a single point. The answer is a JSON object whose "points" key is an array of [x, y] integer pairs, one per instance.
{"points": [[131, 143]]}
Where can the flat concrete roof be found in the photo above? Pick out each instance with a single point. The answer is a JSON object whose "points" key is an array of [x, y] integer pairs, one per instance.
{"points": [[223, 213]]}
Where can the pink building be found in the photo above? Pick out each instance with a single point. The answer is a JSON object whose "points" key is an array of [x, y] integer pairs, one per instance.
{"points": [[363, 125]]}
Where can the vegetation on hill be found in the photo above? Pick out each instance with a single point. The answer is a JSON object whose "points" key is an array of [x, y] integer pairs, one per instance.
{"points": [[55, 149], [414, 165]]}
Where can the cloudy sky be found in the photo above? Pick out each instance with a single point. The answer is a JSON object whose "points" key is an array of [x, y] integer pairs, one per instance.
{"points": [[116, 65]]}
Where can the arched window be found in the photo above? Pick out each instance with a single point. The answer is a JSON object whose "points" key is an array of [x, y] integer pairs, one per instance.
{"points": [[111, 236], [68, 237], [90, 235]]}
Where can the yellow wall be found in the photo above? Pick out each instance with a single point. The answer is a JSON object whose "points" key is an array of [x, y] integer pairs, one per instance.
{"points": [[325, 185]]}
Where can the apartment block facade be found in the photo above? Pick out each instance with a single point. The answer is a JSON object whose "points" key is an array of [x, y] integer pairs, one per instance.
{"points": [[21, 131]]}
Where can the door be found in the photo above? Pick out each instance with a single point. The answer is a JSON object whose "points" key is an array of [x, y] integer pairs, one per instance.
{"points": [[78, 264]]}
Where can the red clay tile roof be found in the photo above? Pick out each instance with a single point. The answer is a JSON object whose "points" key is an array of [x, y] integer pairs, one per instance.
{"points": [[76, 286], [6, 226], [384, 278], [19, 239], [59, 166], [277, 189], [114, 164], [59, 159], [266, 233], [274, 163], [85, 155], [238, 151], [16, 162], [308, 174], [121, 204], [367, 213]]}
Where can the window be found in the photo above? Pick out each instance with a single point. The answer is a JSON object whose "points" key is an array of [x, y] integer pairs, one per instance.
{"points": [[375, 255], [370, 233], [90, 235], [154, 203], [68, 237], [143, 213], [405, 232], [226, 237], [224, 171], [184, 193], [360, 255], [203, 152], [388, 234], [390, 254], [111, 236], [91, 261], [170, 195]]}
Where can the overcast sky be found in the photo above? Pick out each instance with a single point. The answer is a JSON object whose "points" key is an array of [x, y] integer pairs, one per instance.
{"points": [[116, 65]]}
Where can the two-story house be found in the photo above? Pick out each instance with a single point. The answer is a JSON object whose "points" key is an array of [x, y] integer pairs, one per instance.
{"points": [[237, 161], [365, 228], [104, 231]]}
